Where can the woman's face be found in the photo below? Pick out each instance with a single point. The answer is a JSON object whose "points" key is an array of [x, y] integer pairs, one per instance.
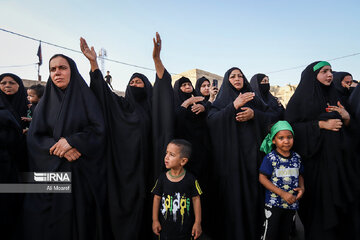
{"points": [[325, 75], [236, 79], [265, 80], [137, 82], [186, 87], [9, 86], [205, 88], [347, 81], [60, 72]]}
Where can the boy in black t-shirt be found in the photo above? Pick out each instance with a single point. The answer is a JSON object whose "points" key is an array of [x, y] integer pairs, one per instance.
{"points": [[177, 197]]}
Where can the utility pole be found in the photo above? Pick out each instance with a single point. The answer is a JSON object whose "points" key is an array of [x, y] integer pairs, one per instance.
{"points": [[102, 55]]}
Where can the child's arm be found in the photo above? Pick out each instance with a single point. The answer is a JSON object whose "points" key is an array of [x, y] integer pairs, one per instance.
{"points": [[155, 215], [301, 188], [196, 230], [288, 197]]}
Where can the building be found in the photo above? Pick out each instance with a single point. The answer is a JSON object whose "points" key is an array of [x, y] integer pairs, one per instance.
{"points": [[195, 74], [283, 93]]}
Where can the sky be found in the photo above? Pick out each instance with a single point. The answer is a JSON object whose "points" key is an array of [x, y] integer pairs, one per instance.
{"points": [[256, 36]]}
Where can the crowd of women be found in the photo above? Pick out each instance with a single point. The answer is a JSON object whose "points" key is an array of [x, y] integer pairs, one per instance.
{"points": [[114, 148]]}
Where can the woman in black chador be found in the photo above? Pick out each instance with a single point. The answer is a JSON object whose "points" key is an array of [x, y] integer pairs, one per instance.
{"points": [[190, 124], [137, 127], [261, 86], [12, 146], [238, 122], [67, 135], [342, 83], [204, 88], [321, 125], [14, 99]]}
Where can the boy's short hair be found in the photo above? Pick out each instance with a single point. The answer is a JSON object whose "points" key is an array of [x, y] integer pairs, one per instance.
{"points": [[39, 89], [185, 147]]}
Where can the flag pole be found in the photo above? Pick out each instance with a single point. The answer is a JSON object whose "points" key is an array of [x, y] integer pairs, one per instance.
{"points": [[39, 54]]}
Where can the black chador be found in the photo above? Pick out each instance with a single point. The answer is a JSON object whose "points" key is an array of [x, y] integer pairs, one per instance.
{"points": [[236, 162], [131, 168], [74, 114], [328, 208]]}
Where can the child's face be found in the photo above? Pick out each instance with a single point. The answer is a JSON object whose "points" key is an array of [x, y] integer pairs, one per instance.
{"points": [[283, 141], [173, 157], [32, 97]]}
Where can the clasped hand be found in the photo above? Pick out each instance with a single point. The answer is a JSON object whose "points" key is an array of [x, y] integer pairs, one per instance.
{"points": [[63, 149]]}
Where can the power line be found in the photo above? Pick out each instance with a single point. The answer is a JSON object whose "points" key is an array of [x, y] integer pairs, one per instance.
{"points": [[15, 66], [152, 69], [73, 50], [302, 66]]}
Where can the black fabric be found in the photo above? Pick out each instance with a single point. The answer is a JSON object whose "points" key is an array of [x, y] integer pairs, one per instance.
{"points": [[278, 223], [176, 214], [163, 115], [263, 92], [130, 164], [237, 159], [16, 103], [354, 104], [74, 114], [329, 162], [10, 204], [343, 92], [192, 127]]}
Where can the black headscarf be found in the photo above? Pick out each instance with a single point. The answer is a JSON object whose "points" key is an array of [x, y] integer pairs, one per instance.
{"points": [[263, 92], [327, 156], [228, 93], [74, 114], [237, 158], [180, 96], [16, 103], [343, 91], [198, 84]]}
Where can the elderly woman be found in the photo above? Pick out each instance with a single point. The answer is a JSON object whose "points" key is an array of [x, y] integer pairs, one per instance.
{"points": [[322, 127], [237, 122], [12, 146], [67, 135]]}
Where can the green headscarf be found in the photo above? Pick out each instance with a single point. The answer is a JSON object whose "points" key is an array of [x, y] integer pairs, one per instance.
{"points": [[320, 65], [266, 145]]}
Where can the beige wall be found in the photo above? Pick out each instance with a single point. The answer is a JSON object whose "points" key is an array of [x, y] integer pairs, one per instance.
{"points": [[283, 93], [195, 74]]}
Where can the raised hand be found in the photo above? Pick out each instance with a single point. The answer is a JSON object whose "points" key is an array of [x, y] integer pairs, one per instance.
{"points": [[213, 92], [89, 53], [157, 47]]}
